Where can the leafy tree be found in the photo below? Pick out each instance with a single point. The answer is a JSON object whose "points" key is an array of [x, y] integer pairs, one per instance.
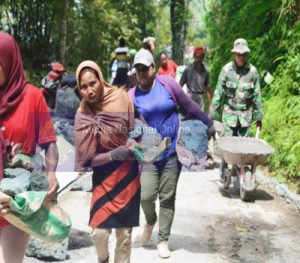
{"points": [[162, 31], [74, 30], [63, 32], [33, 23], [179, 11]]}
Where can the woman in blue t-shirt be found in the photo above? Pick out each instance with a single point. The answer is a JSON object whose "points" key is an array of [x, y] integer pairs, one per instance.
{"points": [[157, 100]]}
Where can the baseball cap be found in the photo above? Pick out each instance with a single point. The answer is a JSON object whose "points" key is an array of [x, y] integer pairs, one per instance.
{"points": [[240, 46], [144, 57], [146, 39], [199, 50]]}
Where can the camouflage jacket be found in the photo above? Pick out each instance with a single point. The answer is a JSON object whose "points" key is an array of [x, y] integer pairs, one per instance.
{"points": [[239, 89]]}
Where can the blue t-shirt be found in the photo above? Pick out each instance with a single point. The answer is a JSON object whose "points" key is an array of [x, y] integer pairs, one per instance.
{"points": [[159, 111]]}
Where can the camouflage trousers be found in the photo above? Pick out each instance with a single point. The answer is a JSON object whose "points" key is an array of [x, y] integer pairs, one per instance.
{"points": [[236, 131]]}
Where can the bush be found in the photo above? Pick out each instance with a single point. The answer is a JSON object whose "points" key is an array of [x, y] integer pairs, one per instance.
{"points": [[282, 115]]}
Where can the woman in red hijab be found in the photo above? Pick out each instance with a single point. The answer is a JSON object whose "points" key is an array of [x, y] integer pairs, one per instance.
{"points": [[24, 120]]}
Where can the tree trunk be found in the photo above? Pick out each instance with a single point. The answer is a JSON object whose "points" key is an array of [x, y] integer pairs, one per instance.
{"points": [[178, 11], [298, 9], [63, 33]]}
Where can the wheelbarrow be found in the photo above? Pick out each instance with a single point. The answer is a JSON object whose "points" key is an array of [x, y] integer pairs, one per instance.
{"points": [[244, 154]]}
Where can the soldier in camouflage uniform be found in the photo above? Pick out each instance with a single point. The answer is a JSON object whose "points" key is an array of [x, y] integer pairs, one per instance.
{"points": [[238, 87]]}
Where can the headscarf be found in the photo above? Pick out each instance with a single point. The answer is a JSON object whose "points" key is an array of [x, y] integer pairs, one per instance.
{"points": [[12, 92], [101, 130], [92, 65]]}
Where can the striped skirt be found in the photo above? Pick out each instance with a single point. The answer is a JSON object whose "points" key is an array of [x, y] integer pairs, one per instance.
{"points": [[116, 195]]}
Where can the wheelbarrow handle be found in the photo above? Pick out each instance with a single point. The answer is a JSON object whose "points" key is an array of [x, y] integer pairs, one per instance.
{"points": [[257, 132]]}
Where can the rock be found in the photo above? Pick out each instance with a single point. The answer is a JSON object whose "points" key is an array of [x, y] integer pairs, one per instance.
{"points": [[16, 185], [79, 239], [281, 190], [19, 161], [37, 161], [199, 164], [38, 181], [192, 145], [138, 129], [144, 134], [150, 137], [64, 127], [194, 137], [86, 185], [41, 250], [67, 103], [15, 172]]}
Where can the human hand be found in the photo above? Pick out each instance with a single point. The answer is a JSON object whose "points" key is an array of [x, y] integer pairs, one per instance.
{"points": [[131, 144], [120, 153], [5, 201], [211, 131], [209, 114]]}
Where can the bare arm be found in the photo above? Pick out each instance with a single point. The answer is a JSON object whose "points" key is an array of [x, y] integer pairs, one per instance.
{"points": [[188, 106], [208, 95], [207, 89], [101, 159], [183, 78], [51, 156], [120, 153]]}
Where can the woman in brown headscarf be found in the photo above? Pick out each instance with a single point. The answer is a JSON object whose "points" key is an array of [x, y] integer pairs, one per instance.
{"points": [[24, 121], [102, 123]]}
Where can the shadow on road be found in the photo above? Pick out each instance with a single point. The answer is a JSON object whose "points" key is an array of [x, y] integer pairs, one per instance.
{"points": [[258, 195], [79, 239]]}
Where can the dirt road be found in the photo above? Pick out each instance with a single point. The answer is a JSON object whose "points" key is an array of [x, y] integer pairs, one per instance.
{"points": [[210, 226]]}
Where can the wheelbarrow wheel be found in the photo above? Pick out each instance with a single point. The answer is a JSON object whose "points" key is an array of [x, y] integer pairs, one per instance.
{"points": [[235, 179], [245, 195], [224, 175]]}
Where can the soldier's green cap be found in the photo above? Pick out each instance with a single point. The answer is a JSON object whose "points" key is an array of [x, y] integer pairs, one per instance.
{"points": [[240, 46]]}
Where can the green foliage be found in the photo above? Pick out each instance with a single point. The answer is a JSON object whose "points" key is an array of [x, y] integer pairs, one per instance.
{"points": [[33, 23], [162, 33], [93, 29], [197, 31], [253, 20], [282, 113], [272, 31], [179, 22]]}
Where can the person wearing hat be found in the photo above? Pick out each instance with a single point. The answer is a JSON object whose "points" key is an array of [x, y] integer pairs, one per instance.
{"points": [[196, 77], [157, 100], [238, 86]]}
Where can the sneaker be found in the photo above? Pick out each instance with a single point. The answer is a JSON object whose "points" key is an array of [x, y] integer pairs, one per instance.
{"points": [[105, 261], [163, 249], [210, 163], [146, 235]]}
